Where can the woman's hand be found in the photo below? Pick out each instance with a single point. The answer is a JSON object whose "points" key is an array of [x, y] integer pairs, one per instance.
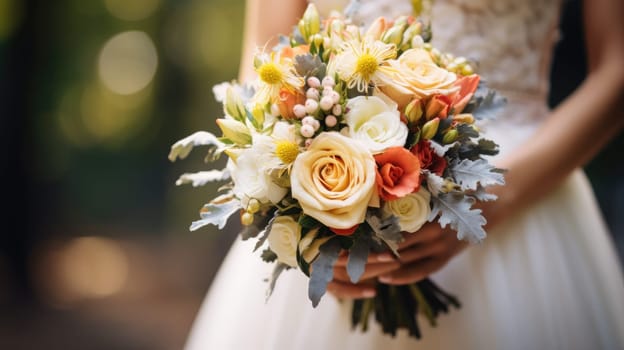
{"points": [[421, 254]]}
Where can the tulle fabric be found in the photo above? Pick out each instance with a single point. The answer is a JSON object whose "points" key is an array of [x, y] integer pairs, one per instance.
{"points": [[548, 278]]}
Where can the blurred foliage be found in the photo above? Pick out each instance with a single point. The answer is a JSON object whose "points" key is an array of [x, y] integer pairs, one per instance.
{"points": [[100, 156]]}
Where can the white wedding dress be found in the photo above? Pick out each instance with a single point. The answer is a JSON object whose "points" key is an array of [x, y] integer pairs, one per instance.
{"points": [[548, 278]]}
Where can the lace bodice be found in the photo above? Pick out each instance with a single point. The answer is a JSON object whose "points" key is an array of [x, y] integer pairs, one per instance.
{"points": [[510, 40]]}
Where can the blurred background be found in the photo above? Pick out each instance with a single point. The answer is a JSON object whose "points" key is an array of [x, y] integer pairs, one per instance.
{"points": [[95, 249]]}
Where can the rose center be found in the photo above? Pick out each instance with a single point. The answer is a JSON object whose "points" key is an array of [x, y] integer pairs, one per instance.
{"points": [[391, 174], [270, 73], [366, 66]]}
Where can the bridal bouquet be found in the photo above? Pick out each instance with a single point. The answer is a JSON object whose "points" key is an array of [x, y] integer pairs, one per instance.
{"points": [[350, 138]]}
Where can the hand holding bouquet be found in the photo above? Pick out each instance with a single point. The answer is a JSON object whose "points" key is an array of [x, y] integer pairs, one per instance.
{"points": [[349, 137]]}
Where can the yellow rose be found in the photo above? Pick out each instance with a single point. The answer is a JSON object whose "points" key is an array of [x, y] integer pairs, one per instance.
{"points": [[334, 180], [417, 76]]}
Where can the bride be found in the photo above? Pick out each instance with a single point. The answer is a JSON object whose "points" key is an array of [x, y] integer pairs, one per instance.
{"points": [[547, 276]]}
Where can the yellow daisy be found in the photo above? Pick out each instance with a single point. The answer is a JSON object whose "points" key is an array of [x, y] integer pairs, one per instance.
{"points": [[362, 62], [274, 74]]}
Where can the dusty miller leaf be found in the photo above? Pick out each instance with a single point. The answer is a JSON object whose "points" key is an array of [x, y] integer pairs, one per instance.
{"points": [[439, 149], [468, 174], [203, 177], [279, 268], [482, 195], [486, 103], [358, 254], [265, 234], [323, 270], [435, 183], [455, 210], [183, 147], [216, 214], [308, 64], [388, 230]]}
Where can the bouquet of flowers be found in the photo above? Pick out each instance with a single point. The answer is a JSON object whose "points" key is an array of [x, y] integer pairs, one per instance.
{"points": [[348, 139]]}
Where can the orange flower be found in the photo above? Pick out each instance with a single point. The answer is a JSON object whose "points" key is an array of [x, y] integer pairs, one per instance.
{"points": [[287, 100], [437, 106], [291, 52], [398, 173], [467, 86]]}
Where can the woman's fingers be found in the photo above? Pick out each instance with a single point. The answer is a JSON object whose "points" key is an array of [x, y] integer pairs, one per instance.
{"points": [[351, 291], [371, 270], [413, 272], [428, 232]]}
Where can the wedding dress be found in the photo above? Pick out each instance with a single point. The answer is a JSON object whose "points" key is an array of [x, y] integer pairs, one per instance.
{"points": [[548, 278]]}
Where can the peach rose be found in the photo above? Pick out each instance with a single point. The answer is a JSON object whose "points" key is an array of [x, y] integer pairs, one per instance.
{"points": [[417, 76], [398, 173], [428, 158], [334, 180]]}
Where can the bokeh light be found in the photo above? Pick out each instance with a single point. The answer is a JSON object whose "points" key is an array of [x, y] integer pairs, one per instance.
{"points": [[128, 62], [83, 268], [10, 14], [133, 10]]}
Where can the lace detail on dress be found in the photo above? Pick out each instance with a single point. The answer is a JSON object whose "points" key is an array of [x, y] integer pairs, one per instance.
{"points": [[510, 40]]}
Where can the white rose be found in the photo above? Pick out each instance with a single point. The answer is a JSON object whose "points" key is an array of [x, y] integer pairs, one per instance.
{"points": [[252, 181], [376, 123], [284, 238], [334, 180], [411, 210]]}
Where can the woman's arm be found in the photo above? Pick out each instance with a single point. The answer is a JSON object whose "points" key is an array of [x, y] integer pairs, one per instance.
{"points": [[264, 21], [574, 133]]}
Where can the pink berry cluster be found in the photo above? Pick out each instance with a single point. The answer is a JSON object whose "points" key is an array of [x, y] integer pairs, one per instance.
{"points": [[322, 103]]}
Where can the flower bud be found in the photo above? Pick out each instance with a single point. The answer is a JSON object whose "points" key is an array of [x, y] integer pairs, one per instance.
{"points": [[327, 102], [430, 128], [467, 70], [253, 206], [328, 81], [235, 131], [413, 111], [313, 93], [337, 110], [307, 130], [467, 118], [318, 39], [311, 106], [309, 120], [247, 218], [314, 82], [233, 105], [310, 24], [394, 35], [299, 110], [450, 136], [377, 28], [331, 121]]}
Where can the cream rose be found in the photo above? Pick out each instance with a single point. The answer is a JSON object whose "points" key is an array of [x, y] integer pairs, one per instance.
{"points": [[284, 239], [334, 180], [376, 123], [411, 210], [417, 76]]}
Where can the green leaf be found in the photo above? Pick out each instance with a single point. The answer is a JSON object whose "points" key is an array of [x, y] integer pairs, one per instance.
{"points": [[216, 214], [323, 270], [468, 174], [308, 222], [455, 210], [358, 254]]}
